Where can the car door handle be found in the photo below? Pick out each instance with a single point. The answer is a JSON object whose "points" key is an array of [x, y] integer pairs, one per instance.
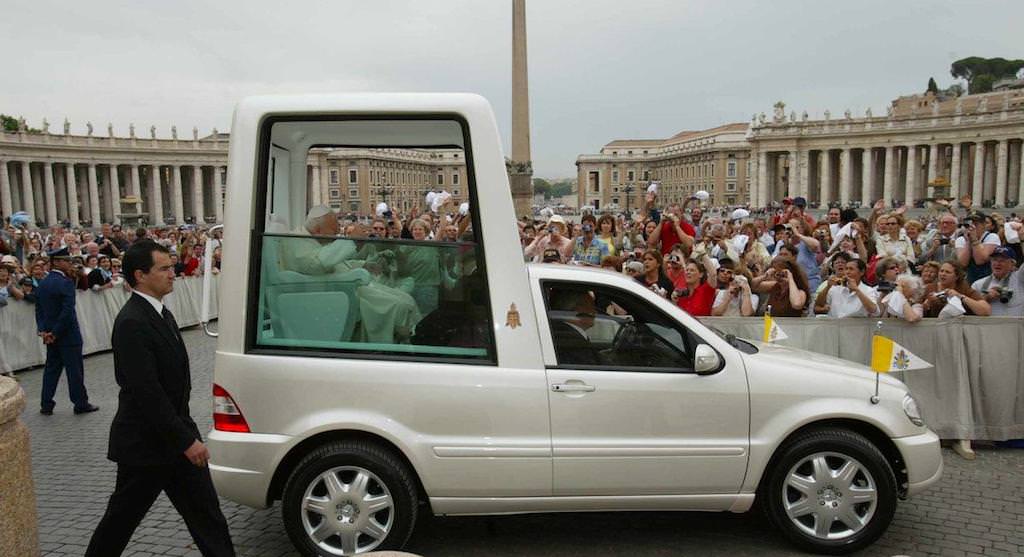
{"points": [[573, 388]]}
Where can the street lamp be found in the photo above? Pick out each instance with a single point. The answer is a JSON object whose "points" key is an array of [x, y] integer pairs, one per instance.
{"points": [[383, 190], [629, 189]]}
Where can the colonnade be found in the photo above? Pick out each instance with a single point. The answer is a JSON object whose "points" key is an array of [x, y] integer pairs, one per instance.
{"points": [[89, 193], [990, 171]]}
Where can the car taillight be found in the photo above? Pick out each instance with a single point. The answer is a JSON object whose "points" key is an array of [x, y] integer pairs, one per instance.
{"points": [[226, 415]]}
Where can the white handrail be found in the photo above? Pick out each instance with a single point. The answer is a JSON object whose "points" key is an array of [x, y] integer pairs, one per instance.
{"points": [[204, 314]]}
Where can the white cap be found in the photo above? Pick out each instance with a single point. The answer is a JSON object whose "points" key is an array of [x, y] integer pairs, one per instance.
{"points": [[464, 208], [381, 209], [740, 214], [653, 188], [430, 197], [702, 195], [318, 211]]}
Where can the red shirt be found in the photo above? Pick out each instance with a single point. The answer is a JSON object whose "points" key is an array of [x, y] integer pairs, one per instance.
{"points": [[669, 238], [190, 266], [699, 302]]}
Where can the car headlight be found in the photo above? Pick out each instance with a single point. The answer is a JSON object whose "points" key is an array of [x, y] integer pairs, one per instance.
{"points": [[911, 410]]}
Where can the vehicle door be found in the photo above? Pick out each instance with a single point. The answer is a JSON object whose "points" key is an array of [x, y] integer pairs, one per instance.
{"points": [[629, 415]]}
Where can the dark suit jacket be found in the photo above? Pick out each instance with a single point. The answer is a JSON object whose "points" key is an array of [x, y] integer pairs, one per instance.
{"points": [[572, 348], [55, 309], [152, 425]]}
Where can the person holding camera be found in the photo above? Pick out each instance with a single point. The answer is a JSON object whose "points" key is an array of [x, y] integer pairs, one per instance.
{"points": [[1000, 289], [846, 296], [952, 285], [694, 293], [974, 247], [587, 248], [733, 297], [941, 246], [785, 286], [552, 236]]}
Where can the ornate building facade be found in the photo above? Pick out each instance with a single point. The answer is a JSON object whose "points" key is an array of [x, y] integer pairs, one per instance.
{"points": [[973, 141], [716, 160], [85, 180]]}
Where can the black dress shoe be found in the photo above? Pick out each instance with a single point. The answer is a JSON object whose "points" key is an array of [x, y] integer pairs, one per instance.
{"points": [[87, 409], [46, 411]]}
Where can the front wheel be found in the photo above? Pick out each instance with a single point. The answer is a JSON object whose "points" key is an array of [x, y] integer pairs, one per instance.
{"points": [[347, 498], [830, 491]]}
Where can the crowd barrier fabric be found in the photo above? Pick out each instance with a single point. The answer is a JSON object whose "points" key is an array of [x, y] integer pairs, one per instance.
{"points": [[975, 390], [21, 348]]}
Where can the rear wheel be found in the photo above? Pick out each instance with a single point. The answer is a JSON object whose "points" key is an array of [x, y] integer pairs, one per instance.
{"points": [[347, 498], [830, 491]]}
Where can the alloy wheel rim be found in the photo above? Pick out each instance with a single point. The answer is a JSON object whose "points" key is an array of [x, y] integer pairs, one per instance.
{"points": [[347, 510], [829, 496]]}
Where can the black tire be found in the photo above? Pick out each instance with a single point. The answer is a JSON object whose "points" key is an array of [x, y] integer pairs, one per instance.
{"points": [[392, 477], [846, 444]]}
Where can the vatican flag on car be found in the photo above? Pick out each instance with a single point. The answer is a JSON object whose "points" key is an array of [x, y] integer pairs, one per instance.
{"points": [[772, 331], [887, 356]]}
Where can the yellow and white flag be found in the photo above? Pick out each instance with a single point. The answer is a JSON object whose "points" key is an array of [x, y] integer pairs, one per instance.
{"points": [[772, 331], [887, 356]]}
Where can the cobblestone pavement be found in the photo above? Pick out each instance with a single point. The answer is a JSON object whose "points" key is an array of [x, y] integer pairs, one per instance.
{"points": [[977, 509]]}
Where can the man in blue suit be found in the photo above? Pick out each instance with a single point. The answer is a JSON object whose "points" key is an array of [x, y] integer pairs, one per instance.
{"points": [[57, 324]]}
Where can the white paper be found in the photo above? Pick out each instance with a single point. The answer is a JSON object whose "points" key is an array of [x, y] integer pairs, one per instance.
{"points": [[1012, 237], [954, 308], [895, 302]]}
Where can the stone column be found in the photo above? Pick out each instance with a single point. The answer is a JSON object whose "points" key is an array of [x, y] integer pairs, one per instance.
{"points": [[218, 195], [6, 199], [826, 177], [94, 197], [317, 187], [867, 177], [198, 211], [177, 203], [954, 172], [933, 163], [888, 175], [27, 195], [1020, 178], [156, 196], [794, 174], [1001, 169], [134, 181], [114, 195], [978, 185], [71, 181], [911, 190], [845, 177], [762, 179], [50, 194], [19, 534]]}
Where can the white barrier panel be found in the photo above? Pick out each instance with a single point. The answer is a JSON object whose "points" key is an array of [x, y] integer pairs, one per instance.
{"points": [[20, 347], [975, 391]]}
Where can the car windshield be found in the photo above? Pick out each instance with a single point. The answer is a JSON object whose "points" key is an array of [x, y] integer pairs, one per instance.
{"points": [[740, 344]]}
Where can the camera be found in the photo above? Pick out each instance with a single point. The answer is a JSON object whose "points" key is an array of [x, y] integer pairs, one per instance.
{"points": [[885, 287], [940, 295], [552, 229], [943, 241], [387, 213], [1005, 294]]}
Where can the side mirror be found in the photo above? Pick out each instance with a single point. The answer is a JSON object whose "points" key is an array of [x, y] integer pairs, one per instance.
{"points": [[706, 361]]}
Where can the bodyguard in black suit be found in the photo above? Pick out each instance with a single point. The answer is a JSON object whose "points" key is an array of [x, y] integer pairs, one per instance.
{"points": [[153, 440], [57, 324]]}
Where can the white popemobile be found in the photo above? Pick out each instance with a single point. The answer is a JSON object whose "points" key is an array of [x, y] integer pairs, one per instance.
{"points": [[447, 377]]}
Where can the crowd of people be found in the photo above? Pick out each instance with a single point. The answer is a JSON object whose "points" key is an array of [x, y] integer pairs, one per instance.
{"points": [[715, 262], [25, 254]]}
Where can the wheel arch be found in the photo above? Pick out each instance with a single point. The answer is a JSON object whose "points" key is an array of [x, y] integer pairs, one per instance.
{"points": [[868, 430], [298, 452]]}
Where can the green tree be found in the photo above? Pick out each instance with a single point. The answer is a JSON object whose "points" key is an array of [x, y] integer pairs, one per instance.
{"points": [[10, 124], [932, 86], [981, 73], [542, 186]]}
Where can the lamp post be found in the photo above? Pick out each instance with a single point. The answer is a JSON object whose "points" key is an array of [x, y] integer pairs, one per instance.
{"points": [[383, 190], [629, 191]]}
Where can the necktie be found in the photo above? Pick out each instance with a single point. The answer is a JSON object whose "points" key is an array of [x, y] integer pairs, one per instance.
{"points": [[169, 319]]}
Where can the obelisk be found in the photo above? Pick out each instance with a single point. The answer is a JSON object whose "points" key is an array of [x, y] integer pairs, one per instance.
{"points": [[520, 168]]}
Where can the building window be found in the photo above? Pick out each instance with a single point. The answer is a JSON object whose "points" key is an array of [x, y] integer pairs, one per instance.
{"points": [[630, 176], [647, 175], [455, 178], [353, 206], [335, 194], [353, 194], [440, 179], [455, 192], [353, 176], [333, 173], [730, 171], [730, 186], [615, 176]]}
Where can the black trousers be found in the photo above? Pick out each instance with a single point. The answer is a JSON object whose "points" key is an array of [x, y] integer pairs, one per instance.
{"points": [[190, 490]]}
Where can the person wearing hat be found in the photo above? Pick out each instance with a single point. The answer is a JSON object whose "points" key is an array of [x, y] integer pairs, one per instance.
{"points": [[975, 246], [317, 256], [1004, 288], [553, 236], [57, 324]]}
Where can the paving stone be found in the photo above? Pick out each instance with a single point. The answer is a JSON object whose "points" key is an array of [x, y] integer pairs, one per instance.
{"points": [[976, 509]]}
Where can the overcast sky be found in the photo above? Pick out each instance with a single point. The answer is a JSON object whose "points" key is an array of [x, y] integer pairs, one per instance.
{"points": [[599, 69]]}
